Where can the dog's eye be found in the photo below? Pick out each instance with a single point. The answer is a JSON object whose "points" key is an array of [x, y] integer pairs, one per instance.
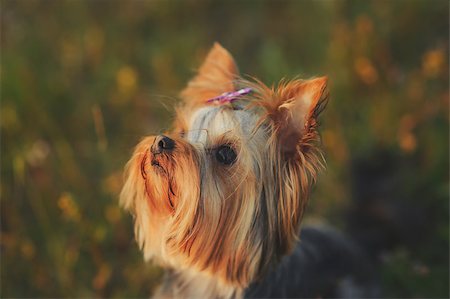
{"points": [[225, 154]]}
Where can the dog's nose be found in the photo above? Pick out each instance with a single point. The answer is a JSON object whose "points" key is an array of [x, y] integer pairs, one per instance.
{"points": [[163, 144]]}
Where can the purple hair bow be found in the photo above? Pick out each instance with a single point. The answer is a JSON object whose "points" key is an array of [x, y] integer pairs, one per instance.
{"points": [[229, 97]]}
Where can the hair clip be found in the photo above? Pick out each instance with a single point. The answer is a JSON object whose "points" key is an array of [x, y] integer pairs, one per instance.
{"points": [[231, 96]]}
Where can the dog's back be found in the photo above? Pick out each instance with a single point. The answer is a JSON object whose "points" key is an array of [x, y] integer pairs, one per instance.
{"points": [[324, 264]]}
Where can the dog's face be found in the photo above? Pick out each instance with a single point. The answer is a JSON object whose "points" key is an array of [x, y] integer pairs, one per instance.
{"points": [[224, 192]]}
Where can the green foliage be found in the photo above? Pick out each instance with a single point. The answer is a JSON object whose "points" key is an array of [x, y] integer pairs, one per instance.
{"points": [[82, 81]]}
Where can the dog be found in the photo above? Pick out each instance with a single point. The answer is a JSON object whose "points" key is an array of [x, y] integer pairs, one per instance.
{"points": [[218, 201]]}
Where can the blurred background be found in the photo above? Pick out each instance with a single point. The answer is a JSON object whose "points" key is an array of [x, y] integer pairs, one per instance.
{"points": [[82, 81]]}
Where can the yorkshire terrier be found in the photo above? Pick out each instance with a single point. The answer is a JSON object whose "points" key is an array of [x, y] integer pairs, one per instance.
{"points": [[218, 200]]}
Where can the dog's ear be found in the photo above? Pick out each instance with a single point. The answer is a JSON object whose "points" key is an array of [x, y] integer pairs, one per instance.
{"points": [[292, 110], [215, 76], [295, 109]]}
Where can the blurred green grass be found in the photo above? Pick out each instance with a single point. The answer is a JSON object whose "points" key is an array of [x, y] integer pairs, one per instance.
{"points": [[82, 81]]}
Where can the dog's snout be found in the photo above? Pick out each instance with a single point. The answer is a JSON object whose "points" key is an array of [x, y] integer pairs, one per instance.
{"points": [[163, 144]]}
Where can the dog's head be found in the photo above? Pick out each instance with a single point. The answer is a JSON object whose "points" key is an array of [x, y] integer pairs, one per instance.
{"points": [[225, 190]]}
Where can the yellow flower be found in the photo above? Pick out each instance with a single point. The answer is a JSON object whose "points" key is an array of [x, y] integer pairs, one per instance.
{"points": [[126, 79], [365, 70], [433, 62], [68, 207]]}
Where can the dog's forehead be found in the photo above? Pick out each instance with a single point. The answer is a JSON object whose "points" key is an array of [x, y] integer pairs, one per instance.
{"points": [[209, 122]]}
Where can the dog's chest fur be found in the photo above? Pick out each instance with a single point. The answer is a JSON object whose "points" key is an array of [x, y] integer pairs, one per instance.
{"points": [[325, 264]]}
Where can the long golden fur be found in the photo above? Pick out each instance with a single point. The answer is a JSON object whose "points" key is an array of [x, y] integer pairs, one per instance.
{"points": [[218, 227]]}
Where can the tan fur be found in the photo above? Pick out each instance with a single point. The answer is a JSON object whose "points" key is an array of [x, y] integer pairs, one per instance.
{"points": [[215, 76], [220, 227]]}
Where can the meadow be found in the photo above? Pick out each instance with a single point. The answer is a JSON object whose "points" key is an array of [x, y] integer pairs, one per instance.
{"points": [[83, 81]]}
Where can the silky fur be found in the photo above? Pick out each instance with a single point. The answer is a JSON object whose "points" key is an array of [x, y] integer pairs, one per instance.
{"points": [[218, 228]]}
